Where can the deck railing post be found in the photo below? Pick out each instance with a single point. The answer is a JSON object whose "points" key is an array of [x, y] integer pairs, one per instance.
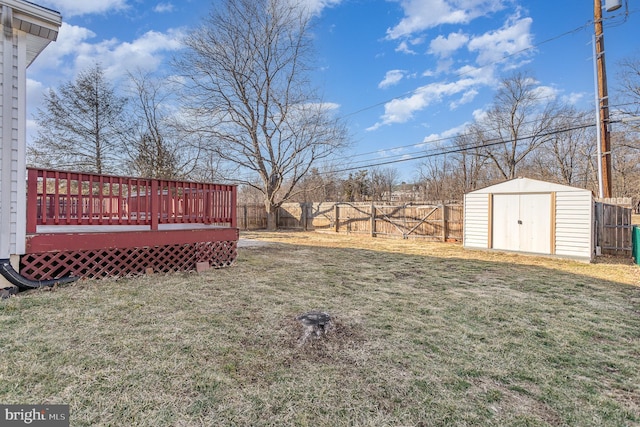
{"points": [[234, 208], [154, 204], [32, 201]]}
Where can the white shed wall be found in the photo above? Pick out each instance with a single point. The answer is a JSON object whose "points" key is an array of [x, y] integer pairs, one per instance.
{"points": [[574, 224], [476, 221]]}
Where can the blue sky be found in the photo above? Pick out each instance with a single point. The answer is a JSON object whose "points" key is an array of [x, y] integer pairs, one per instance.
{"points": [[405, 74]]}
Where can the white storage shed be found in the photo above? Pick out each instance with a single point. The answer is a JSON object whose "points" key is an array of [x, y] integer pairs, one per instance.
{"points": [[527, 215]]}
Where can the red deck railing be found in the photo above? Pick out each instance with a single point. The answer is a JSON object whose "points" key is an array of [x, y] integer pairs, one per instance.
{"points": [[77, 198]]}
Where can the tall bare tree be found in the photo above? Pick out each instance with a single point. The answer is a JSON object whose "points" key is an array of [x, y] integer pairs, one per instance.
{"points": [[246, 73], [518, 122], [156, 147], [81, 125]]}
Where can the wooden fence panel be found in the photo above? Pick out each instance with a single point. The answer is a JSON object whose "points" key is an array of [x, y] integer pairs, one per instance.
{"points": [[613, 229], [252, 217], [438, 222]]}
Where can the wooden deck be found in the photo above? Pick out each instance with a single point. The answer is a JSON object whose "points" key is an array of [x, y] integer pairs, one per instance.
{"points": [[96, 225]]}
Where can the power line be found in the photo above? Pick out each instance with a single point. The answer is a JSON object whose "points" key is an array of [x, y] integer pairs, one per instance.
{"points": [[453, 150], [414, 91]]}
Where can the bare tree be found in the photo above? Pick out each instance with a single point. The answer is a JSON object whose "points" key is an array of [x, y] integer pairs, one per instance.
{"points": [[628, 94], [519, 121], [629, 91], [626, 141], [317, 186], [246, 82], [626, 166], [81, 125], [566, 156], [156, 148], [436, 178], [468, 165], [383, 181]]}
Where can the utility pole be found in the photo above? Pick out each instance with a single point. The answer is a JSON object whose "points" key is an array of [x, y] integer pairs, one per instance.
{"points": [[603, 100]]}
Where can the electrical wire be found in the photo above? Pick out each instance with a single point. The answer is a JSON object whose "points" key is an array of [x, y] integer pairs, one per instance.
{"points": [[461, 74], [452, 150]]}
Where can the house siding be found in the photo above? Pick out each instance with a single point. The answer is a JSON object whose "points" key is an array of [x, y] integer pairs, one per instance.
{"points": [[12, 152]]}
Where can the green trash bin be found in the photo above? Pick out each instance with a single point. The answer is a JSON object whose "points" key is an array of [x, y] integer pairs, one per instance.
{"points": [[635, 243]]}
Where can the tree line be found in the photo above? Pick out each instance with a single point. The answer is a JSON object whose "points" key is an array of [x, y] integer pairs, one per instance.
{"points": [[240, 108]]}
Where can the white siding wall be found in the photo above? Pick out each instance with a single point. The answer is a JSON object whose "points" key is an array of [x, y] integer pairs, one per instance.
{"points": [[476, 220], [574, 224], [12, 146]]}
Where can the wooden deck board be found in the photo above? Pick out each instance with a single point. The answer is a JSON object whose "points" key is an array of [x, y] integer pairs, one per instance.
{"points": [[103, 237], [65, 229]]}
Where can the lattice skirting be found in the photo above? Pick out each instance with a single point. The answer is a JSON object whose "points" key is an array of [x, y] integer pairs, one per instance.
{"points": [[121, 262]]}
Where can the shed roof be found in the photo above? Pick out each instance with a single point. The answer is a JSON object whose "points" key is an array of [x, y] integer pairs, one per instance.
{"points": [[527, 185]]}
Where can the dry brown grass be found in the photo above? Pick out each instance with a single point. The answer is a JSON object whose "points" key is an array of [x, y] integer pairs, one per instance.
{"points": [[425, 334]]}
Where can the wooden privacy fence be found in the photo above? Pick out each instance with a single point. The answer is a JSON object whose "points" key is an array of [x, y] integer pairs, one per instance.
{"points": [[613, 228], [438, 222]]}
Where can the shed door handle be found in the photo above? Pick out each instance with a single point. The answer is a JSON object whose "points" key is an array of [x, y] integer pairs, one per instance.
{"points": [[520, 222]]}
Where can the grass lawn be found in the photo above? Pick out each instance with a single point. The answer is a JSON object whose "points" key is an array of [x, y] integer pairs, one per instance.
{"points": [[425, 334]]}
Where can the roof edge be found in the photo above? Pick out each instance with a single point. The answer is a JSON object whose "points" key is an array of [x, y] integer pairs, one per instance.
{"points": [[34, 10]]}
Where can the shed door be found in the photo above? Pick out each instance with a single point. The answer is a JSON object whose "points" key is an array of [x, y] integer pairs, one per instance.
{"points": [[522, 222]]}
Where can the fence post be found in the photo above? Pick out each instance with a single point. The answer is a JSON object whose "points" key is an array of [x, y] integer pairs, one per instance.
{"points": [[373, 220], [305, 207], [336, 215], [245, 219], [445, 219]]}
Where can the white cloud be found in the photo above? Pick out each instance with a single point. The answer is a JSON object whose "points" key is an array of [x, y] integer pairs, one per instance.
{"points": [[391, 78], [145, 53], [445, 46], [69, 8], [315, 7], [116, 57], [402, 110], [444, 65], [35, 91], [512, 38], [466, 98], [164, 7], [403, 47], [421, 15], [545, 93], [573, 98], [482, 75], [479, 115], [439, 139]]}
